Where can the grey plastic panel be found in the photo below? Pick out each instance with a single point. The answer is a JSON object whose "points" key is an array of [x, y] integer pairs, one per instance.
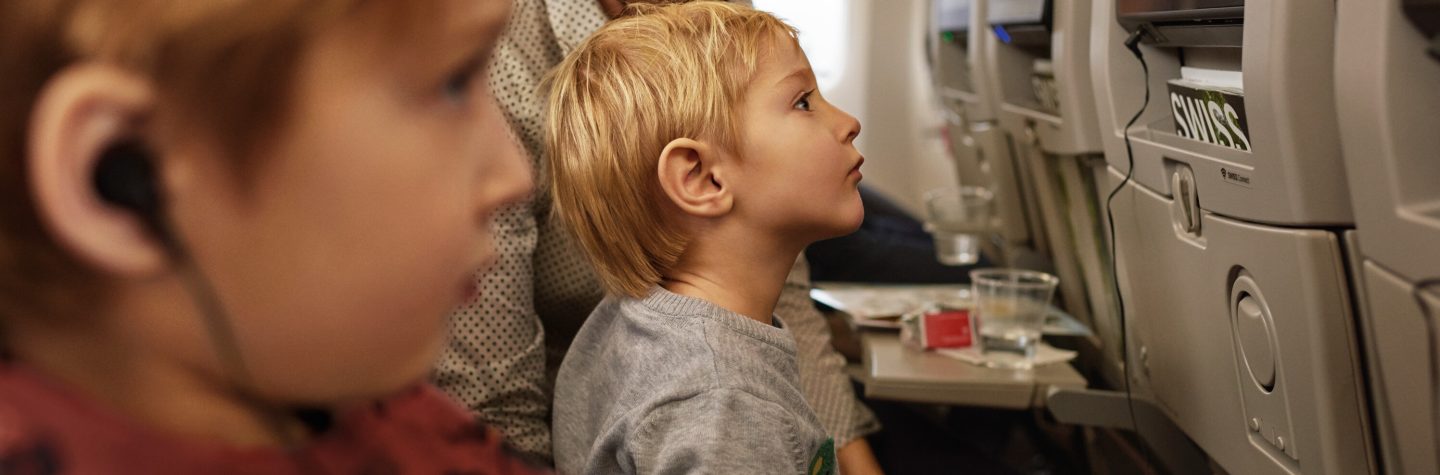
{"points": [[1099, 408], [1206, 23], [1400, 371], [1389, 105], [993, 152], [1072, 129], [960, 67], [952, 15], [1066, 192], [1052, 149], [986, 105], [1180, 295], [965, 152], [1177, 10], [1060, 231], [980, 148], [1295, 173], [1388, 93], [951, 71], [1082, 214], [1006, 12]]}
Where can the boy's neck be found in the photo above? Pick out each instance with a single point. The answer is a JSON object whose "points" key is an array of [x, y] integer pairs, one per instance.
{"points": [[124, 376], [744, 276]]}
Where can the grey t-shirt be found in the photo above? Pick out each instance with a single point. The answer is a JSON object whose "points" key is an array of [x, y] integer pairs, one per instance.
{"points": [[674, 384]]}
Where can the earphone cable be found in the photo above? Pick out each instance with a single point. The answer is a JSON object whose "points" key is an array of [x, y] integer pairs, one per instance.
{"points": [[1133, 44]]}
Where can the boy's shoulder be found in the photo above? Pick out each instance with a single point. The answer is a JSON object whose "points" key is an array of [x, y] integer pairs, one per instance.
{"points": [[24, 449], [47, 429], [44, 429], [666, 325], [30, 423], [701, 317], [627, 340], [697, 345]]}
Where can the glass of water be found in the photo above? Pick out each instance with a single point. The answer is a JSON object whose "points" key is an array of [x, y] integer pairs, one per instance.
{"points": [[1011, 305], [958, 218]]}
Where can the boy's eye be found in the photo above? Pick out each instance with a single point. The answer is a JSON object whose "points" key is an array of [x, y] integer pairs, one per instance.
{"points": [[804, 102], [458, 86]]}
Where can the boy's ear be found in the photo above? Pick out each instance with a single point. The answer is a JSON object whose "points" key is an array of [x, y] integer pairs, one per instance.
{"points": [[690, 172], [80, 114]]}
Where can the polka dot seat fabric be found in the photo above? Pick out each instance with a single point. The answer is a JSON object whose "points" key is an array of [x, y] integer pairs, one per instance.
{"points": [[495, 363]]}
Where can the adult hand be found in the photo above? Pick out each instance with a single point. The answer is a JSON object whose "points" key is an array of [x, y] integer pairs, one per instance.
{"points": [[612, 8]]}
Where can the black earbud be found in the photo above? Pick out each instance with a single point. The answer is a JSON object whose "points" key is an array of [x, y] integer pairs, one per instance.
{"points": [[125, 177]]}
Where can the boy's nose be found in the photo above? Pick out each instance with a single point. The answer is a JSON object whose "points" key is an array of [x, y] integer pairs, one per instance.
{"points": [[850, 126], [509, 178]]}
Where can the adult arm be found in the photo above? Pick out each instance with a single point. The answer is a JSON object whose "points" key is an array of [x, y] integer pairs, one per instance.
{"points": [[822, 373]]}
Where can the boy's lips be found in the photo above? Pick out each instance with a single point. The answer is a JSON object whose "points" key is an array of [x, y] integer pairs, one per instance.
{"points": [[469, 285], [484, 260], [469, 289], [855, 170]]}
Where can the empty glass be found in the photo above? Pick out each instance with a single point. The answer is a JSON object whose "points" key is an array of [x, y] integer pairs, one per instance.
{"points": [[958, 218], [1011, 305]]}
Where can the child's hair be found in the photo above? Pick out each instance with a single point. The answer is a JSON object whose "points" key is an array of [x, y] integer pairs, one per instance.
{"points": [[658, 73], [223, 68]]}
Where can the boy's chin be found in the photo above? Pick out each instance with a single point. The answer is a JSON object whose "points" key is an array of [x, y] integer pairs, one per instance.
{"points": [[853, 226], [856, 217], [843, 227], [383, 380]]}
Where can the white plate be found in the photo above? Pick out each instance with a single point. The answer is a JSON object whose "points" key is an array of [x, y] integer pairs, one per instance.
{"points": [[880, 306]]}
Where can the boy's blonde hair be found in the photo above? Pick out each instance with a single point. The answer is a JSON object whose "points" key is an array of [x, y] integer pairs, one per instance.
{"points": [[658, 73]]}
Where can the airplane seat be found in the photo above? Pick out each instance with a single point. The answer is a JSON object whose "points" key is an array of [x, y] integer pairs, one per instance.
{"points": [[1232, 229], [1387, 91]]}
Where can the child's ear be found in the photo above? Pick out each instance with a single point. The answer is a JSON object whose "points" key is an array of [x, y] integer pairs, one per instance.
{"points": [[690, 172], [81, 113]]}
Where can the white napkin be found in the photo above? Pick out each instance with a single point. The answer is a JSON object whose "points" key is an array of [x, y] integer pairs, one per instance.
{"points": [[1044, 354]]}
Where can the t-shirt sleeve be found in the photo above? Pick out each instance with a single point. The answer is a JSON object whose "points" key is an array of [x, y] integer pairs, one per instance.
{"points": [[718, 431]]}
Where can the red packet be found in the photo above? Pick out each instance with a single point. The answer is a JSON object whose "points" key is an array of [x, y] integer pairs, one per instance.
{"points": [[939, 329]]}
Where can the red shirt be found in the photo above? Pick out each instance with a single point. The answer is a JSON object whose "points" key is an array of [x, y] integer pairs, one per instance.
{"points": [[47, 429]]}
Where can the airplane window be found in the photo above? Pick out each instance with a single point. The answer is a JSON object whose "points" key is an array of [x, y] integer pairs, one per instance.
{"points": [[822, 25]]}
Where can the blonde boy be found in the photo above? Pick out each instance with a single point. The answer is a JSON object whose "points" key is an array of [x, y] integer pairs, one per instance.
{"points": [[694, 159]]}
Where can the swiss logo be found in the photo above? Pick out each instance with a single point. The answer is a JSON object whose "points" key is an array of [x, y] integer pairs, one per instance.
{"points": [[1211, 116]]}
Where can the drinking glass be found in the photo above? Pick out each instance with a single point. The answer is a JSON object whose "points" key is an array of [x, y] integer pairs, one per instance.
{"points": [[1011, 305], [958, 218]]}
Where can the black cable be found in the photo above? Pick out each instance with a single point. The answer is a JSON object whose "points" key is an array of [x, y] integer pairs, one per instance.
{"points": [[227, 348], [1133, 44], [126, 177], [219, 330], [222, 334]]}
